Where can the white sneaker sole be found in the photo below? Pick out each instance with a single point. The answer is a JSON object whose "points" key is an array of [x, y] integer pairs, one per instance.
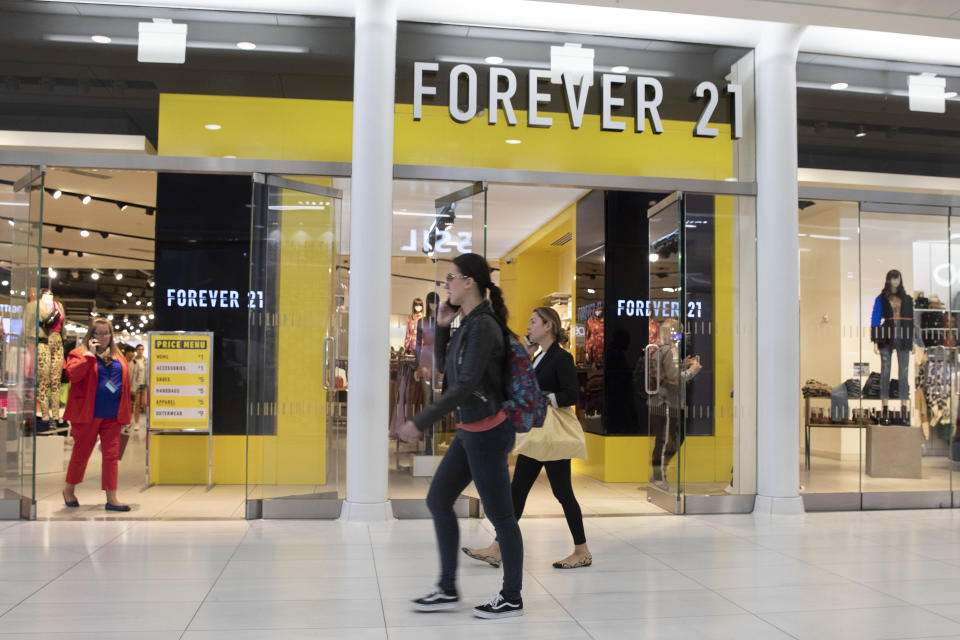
{"points": [[440, 606], [489, 615]]}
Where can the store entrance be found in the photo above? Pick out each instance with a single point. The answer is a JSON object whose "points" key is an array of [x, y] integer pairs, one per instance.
{"points": [[614, 276]]}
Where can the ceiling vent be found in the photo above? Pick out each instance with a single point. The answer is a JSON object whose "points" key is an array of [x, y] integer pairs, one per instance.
{"points": [[562, 240]]}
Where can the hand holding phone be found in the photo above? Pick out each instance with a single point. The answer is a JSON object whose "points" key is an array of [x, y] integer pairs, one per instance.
{"points": [[446, 313]]}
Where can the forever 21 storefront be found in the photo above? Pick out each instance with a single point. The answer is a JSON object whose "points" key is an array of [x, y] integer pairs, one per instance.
{"points": [[611, 178]]}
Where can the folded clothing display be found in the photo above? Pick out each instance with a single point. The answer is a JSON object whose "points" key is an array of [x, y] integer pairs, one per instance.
{"points": [[871, 388], [815, 389]]}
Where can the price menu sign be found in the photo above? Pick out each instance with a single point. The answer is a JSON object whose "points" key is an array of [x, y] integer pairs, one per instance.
{"points": [[181, 366]]}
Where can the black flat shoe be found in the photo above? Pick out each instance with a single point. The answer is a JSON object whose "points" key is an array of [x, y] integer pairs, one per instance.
{"points": [[116, 507], [69, 503]]}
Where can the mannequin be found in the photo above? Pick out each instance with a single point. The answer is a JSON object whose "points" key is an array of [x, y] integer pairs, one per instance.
{"points": [[594, 337], [891, 330], [48, 315], [410, 339]]}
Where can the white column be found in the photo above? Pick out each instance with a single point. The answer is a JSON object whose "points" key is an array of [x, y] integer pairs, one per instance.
{"points": [[778, 277], [371, 197]]}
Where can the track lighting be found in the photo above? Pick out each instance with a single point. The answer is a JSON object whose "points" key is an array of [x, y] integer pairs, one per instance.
{"points": [[123, 206], [861, 132], [79, 254], [66, 252], [149, 211], [84, 233], [51, 250], [94, 276], [58, 229], [86, 199], [118, 275], [104, 235], [57, 194]]}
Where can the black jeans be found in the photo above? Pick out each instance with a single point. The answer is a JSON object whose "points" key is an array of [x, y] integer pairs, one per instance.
{"points": [[558, 472], [481, 457]]}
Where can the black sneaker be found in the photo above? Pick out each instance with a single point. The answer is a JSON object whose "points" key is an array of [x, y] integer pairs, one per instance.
{"points": [[437, 600], [499, 607]]}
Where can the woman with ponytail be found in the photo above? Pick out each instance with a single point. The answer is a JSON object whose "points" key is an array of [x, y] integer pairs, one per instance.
{"points": [[473, 361], [557, 378]]}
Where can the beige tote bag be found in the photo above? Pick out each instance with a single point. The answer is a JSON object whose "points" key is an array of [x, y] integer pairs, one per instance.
{"points": [[560, 437]]}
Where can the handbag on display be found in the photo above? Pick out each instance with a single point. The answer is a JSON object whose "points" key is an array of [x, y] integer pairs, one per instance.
{"points": [[560, 438]]}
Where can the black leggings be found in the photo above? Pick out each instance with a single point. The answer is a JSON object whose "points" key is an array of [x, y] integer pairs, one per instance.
{"points": [[558, 472]]}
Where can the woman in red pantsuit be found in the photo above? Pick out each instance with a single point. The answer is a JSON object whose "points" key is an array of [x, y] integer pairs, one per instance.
{"points": [[98, 404]]}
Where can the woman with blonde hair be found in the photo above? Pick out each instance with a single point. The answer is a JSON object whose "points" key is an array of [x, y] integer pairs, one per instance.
{"points": [[557, 378], [98, 404]]}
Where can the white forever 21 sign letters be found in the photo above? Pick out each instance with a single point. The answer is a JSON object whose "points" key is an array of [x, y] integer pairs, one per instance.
{"points": [[648, 91]]}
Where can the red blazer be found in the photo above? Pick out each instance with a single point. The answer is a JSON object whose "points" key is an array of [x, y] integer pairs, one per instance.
{"points": [[82, 372]]}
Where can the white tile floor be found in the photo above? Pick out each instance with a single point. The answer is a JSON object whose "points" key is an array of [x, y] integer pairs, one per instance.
{"points": [[880, 575]]}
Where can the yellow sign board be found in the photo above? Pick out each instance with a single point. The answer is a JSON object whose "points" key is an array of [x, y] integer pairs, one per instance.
{"points": [[181, 381]]}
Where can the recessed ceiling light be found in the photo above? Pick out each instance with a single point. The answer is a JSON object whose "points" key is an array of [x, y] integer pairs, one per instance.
{"points": [[101, 39], [950, 94], [86, 199], [212, 127], [84, 233], [620, 68], [513, 141], [246, 46], [654, 257], [493, 60], [839, 86], [94, 276], [118, 275], [57, 194]]}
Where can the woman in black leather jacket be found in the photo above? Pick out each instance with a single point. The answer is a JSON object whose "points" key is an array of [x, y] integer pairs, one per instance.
{"points": [[473, 361], [557, 377]]}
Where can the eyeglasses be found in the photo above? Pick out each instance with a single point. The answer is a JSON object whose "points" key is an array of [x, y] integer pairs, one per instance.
{"points": [[455, 276]]}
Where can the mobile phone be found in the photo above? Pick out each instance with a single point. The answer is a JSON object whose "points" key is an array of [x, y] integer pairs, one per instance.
{"points": [[455, 307], [526, 340]]}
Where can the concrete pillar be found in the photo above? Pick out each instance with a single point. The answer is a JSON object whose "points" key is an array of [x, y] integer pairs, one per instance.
{"points": [[778, 277], [371, 198]]}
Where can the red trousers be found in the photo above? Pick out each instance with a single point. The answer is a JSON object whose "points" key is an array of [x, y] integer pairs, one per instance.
{"points": [[84, 439]]}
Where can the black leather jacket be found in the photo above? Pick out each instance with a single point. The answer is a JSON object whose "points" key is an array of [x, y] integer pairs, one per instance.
{"points": [[473, 363]]}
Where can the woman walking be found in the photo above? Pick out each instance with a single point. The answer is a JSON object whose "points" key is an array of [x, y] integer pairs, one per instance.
{"points": [[557, 377], [473, 361], [98, 404]]}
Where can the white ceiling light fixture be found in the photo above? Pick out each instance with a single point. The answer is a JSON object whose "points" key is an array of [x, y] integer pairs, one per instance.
{"points": [[246, 46], [101, 39], [512, 141], [839, 86], [493, 60], [591, 290], [162, 41], [212, 127], [573, 60], [927, 93], [57, 194], [86, 199], [654, 257], [84, 233], [620, 68], [118, 275], [94, 276]]}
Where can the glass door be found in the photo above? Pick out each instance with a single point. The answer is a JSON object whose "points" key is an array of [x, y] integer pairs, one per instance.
{"points": [[21, 351], [457, 225], [663, 356], [296, 367]]}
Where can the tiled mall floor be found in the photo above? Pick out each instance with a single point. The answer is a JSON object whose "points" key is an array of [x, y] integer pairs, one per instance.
{"points": [[836, 575]]}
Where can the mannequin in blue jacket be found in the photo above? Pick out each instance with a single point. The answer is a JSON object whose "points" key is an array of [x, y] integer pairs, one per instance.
{"points": [[891, 329]]}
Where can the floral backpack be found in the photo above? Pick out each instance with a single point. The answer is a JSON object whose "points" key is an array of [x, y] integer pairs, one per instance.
{"points": [[525, 405]]}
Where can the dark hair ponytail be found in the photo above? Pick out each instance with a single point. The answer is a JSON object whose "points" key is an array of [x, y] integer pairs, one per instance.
{"points": [[474, 266]]}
